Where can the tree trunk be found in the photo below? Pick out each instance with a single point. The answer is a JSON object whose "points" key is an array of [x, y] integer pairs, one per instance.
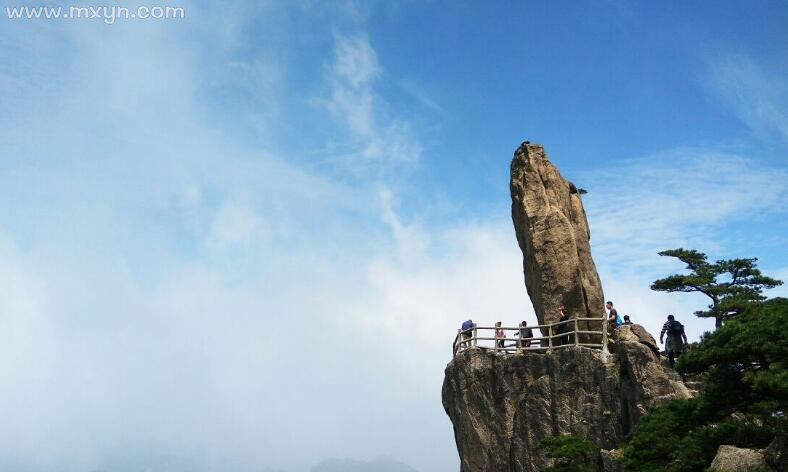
{"points": [[718, 318]]}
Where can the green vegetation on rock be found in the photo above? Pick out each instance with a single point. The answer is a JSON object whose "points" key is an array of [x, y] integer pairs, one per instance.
{"points": [[571, 454], [743, 402]]}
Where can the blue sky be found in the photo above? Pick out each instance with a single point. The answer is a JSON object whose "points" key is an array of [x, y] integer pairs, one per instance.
{"points": [[244, 239]]}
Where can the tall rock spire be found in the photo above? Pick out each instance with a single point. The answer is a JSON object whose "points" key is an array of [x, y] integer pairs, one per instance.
{"points": [[552, 231]]}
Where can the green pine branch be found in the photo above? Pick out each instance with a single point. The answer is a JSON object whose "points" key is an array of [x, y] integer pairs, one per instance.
{"points": [[730, 284]]}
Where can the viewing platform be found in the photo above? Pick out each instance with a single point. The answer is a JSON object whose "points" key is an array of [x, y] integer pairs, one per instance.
{"points": [[572, 332]]}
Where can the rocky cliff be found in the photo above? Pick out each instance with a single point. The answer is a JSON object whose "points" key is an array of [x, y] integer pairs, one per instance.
{"points": [[552, 231], [501, 406]]}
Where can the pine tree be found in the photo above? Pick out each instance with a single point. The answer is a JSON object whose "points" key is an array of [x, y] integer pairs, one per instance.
{"points": [[731, 284]]}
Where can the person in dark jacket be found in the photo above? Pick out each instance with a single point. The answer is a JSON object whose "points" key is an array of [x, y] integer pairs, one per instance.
{"points": [[562, 328], [466, 333], [526, 334], [677, 338]]}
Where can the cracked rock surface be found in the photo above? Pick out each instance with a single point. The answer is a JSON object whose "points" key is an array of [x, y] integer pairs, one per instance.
{"points": [[552, 231], [502, 405]]}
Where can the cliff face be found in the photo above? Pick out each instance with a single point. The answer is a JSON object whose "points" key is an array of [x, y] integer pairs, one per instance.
{"points": [[501, 406], [552, 231]]}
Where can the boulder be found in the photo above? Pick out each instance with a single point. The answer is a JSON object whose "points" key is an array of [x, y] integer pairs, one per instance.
{"points": [[610, 461], [552, 231], [635, 333], [776, 454], [735, 459]]}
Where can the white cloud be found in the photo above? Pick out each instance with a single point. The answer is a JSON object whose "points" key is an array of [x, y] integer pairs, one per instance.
{"points": [[462, 272], [679, 197], [352, 72], [410, 240], [375, 138], [236, 223], [758, 96], [176, 292], [355, 61]]}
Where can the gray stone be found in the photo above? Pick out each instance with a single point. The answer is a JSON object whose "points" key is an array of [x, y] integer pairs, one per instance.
{"points": [[501, 406], [552, 231], [637, 334], [735, 459]]}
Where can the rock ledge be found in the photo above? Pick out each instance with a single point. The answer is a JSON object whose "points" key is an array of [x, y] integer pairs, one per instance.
{"points": [[501, 406]]}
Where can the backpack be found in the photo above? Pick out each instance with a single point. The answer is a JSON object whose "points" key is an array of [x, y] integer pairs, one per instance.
{"points": [[619, 322], [467, 325], [675, 328]]}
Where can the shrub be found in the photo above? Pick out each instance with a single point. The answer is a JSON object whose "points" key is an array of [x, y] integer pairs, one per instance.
{"points": [[571, 454]]}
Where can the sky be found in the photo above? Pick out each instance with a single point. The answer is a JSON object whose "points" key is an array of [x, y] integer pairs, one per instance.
{"points": [[244, 239]]}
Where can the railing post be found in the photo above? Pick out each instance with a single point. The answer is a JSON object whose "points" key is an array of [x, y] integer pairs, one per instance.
{"points": [[519, 340], [605, 352], [577, 340], [473, 337]]}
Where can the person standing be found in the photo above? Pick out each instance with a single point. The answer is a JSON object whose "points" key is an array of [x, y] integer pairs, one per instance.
{"points": [[562, 328], [467, 332], [500, 335], [677, 339], [526, 334], [613, 320]]}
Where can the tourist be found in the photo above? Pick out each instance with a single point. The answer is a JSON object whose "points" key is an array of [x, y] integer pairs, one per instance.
{"points": [[613, 320], [563, 328], [526, 334], [677, 339], [467, 332], [500, 335], [626, 320]]}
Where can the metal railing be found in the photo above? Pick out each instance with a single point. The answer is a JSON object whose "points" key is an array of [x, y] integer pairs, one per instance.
{"points": [[572, 332]]}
